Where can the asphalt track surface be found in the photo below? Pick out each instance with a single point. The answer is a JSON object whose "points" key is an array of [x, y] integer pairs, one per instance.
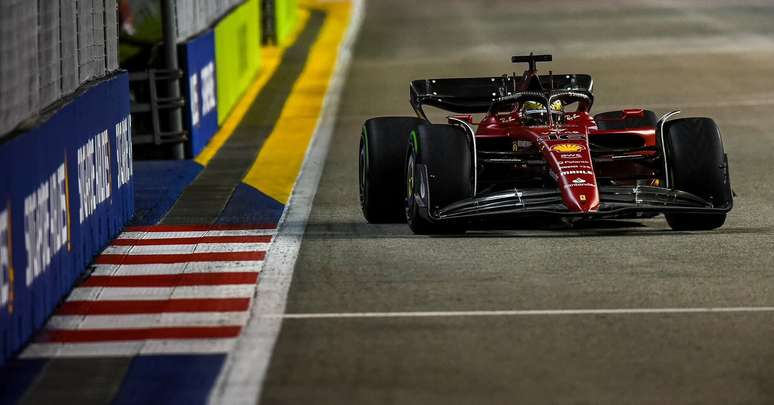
{"points": [[706, 58]]}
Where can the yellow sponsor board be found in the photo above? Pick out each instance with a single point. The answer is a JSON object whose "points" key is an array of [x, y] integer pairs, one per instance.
{"points": [[286, 14], [237, 55]]}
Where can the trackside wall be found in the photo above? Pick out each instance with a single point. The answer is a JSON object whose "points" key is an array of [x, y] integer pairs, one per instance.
{"points": [[222, 62], [237, 54], [201, 90], [286, 15], [66, 189]]}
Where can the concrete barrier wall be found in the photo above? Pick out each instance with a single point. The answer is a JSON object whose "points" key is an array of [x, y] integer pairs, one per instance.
{"points": [[66, 189]]}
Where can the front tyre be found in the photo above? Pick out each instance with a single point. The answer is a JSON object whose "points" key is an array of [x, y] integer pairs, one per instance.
{"points": [[698, 165], [380, 167], [445, 153]]}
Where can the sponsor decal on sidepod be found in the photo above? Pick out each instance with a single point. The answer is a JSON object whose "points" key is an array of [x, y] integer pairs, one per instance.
{"points": [[567, 148]]}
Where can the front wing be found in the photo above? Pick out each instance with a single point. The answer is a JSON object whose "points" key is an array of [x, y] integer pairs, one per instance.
{"points": [[615, 202]]}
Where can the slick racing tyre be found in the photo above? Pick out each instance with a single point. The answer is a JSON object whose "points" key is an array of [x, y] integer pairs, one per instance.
{"points": [[698, 165], [445, 151], [620, 120], [381, 157]]}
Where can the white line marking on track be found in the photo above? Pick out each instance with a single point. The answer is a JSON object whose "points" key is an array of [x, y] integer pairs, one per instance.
{"points": [[247, 232], [196, 234], [182, 249], [224, 345], [134, 348], [52, 350], [161, 293], [147, 320], [191, 346], [531, 312], [160, 235], [243, 374], [174, 268], [149, 250]]}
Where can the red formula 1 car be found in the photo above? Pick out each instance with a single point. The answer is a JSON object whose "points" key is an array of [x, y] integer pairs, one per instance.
{"points": [[536, 150]]}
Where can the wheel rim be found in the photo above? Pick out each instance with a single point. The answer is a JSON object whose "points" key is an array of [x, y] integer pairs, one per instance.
{"points": [[410, 176], [363, 177], [410, 185]]}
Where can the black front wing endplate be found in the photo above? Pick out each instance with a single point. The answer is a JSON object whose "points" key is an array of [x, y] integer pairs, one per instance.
{"points": [[615, 202]]}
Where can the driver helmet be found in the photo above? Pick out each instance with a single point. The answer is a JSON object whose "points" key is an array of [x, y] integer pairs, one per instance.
{"points": [[535, 111]]}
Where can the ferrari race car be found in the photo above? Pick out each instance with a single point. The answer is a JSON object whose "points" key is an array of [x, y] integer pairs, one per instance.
{"points": [[536, 150]]}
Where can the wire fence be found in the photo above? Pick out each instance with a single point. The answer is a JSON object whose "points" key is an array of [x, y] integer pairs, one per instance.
{"points": [[49, 48], [194, 16]]}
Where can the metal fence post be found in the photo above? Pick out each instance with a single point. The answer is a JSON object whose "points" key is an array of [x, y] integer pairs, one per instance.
{"points": [[170, 59], [268, 23]]}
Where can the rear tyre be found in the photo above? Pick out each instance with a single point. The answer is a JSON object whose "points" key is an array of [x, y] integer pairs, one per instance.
{"points": [[445, 151], [381, 158], [698, 165], [620, 120]]}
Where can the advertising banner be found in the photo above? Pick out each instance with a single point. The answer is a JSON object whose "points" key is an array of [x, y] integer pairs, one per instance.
{"points": [[237, 54], [66, 189], [286, 17], [202, 113]]}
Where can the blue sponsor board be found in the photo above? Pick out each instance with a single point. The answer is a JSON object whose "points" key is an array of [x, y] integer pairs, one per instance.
{"points": [[201, 86], [66, 189]]}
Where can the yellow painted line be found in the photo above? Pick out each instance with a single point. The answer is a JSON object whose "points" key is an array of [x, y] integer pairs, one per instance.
{"points": [[271, 58], [278, 164]]}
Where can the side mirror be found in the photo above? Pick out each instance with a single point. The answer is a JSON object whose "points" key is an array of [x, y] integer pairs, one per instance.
{"points": [[467, 118]]}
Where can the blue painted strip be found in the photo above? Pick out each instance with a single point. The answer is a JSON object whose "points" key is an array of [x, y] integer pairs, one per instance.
{"points": [[16, 377], [157, 185], [170, 380], [250, 206]]}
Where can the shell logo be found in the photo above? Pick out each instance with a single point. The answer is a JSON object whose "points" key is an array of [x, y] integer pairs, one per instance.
{"points": [[567, 148]]}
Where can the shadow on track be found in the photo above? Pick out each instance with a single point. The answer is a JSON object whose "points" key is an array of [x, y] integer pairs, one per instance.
{"points": [[536, 229]]}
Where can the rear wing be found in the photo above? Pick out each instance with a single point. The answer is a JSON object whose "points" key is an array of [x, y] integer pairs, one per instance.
{"points": [[475, 95]]}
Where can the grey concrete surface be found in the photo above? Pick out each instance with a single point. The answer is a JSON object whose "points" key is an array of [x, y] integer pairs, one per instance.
{"points": [[708, 58]]}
